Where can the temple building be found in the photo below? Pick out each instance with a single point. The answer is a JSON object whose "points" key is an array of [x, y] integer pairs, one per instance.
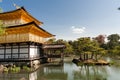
{"points": [[23, 38]]}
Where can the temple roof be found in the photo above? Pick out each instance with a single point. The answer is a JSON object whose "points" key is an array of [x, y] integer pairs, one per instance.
{"points": [[32, 27], [19, 13]]}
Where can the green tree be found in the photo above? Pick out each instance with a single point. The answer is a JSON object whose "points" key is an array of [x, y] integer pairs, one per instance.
{"points": [[82, 47], [99, 53], [69, 49], [2, 28], [51, 41], [115, 52], [60, 41], [113, 40], [87, 48], [1, 10]]}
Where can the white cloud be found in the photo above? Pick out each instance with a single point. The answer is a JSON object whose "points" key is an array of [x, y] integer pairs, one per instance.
{"points": [[0, 0], [78, 30]]}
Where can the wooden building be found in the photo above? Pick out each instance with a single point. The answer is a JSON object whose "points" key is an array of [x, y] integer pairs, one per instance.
{"points": [[23, 38], [54, 52]]}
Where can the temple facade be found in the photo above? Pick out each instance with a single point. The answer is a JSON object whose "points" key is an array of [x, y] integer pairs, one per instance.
{"points": [[23, 38]]}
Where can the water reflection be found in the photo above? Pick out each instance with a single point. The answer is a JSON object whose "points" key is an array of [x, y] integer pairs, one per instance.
{"points": [[68, 71], [90, 73], [52, 73], [13, 76]]}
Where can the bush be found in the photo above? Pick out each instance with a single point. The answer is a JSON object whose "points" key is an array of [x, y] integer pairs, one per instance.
{"points": [[14, 69], [26, 68]]}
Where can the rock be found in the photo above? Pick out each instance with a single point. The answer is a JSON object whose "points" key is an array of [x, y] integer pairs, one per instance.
{"points": [[75, 61], [1, 68]]}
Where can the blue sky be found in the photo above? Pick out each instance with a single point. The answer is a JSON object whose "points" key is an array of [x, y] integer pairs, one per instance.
{"points": [[71, 19]]}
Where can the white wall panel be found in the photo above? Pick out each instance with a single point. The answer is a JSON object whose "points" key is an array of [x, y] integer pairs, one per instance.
{"points": [[23, 55], [1, 56], [1, 51], [7, 56], [15, 50], [15, 46], [32, 52], [8, 51], [14, 55], [24, 50]]}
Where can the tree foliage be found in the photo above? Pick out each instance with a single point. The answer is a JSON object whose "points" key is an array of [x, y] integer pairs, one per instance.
{"points": [[87, 48], [91, 48], [67, 51], [50, 41], [113, 40], [100, 39], [2, 28]]}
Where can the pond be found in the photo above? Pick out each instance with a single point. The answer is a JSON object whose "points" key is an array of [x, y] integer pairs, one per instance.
{"points": [[69, 71]]}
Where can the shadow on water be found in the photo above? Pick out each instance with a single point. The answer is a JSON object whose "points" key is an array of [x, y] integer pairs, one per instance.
{"points": [[69, 71]]}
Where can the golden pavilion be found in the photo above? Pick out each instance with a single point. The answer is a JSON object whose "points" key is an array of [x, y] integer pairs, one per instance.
{"points": [[23, 38]]}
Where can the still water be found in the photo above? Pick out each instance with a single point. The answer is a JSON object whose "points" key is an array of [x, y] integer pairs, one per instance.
{"points": [[69, 71]]}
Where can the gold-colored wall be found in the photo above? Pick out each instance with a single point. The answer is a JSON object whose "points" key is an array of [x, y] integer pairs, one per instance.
{"points": [[13, 22], [10, 38], [36, 38]]}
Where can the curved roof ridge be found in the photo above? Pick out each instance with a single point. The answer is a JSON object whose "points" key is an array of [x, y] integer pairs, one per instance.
{"points": [[30, 23], [22, 8], [11, 11]]}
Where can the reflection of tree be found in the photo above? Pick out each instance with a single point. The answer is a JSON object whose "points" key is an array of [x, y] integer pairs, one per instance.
{"points": [[116, 66], [91, 73], [51, 73]]}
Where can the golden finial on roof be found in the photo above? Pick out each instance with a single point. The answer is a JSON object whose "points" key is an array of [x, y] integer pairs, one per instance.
{"points": [[15, 5]]}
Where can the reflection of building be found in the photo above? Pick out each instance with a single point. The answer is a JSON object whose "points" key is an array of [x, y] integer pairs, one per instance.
{"points": [[23, 38], [33, 76], [54, 73], [43, 73], [19, 76]]}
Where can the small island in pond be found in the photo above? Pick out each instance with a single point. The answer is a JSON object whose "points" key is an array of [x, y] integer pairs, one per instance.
{"points": [[90, 52], [90, 62]]}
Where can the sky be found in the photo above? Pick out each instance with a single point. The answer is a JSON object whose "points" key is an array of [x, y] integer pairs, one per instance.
{"points": [[72, 19]]}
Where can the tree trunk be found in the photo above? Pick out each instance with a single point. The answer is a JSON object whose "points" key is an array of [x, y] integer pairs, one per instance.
{"points": [[92, 55], [84, 56], [80, 57], [96, 57]]}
